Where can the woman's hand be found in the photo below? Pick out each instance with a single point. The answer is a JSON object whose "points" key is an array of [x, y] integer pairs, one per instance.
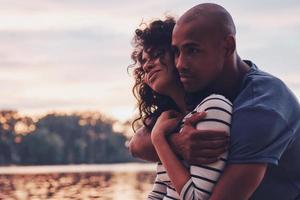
{"points": [[166, 123]]}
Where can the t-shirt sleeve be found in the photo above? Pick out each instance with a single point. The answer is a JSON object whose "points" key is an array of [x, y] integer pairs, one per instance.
{"points": [[258, 135], [159, 190]]}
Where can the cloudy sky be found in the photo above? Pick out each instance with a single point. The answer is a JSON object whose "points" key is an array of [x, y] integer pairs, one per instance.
{"points": [[63, 55]]}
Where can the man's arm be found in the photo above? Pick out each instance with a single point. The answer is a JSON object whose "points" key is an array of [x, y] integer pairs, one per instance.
{"points": [[194, 146], [239, 181], [140, 146]]}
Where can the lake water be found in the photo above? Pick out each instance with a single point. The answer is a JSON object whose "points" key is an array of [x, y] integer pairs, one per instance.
{"points": [[77, 182]]}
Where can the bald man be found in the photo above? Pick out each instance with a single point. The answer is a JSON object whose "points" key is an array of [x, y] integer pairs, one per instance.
{"points": [[264, 159]]}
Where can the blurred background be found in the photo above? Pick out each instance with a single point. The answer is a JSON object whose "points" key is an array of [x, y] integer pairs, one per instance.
{"points": [[66, 95]]}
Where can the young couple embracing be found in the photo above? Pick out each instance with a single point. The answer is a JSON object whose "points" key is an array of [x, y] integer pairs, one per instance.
{"points": [[219, 127]]}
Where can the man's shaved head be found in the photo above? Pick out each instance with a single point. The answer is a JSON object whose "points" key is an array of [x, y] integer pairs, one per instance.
{"points": [[203, 40], [215, 16]]}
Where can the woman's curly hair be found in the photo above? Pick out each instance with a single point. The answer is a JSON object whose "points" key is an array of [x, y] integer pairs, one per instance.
{"points": [[156, 35]]}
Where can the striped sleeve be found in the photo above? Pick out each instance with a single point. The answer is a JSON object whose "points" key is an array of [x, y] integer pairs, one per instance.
{"points": [[159, 190], [204, 177]]}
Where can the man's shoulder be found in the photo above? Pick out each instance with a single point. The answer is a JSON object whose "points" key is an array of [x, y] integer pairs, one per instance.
{"points": [[262, 79], [261, 89], [257, 76]]}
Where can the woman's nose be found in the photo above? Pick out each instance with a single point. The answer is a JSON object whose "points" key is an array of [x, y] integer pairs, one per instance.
{"points": [[149, 64]]}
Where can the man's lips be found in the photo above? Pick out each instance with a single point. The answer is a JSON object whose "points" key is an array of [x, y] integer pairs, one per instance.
{"points": [[184, 77]]}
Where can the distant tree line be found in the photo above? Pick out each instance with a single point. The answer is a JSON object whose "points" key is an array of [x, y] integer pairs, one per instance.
{"points": [[60, 139]]}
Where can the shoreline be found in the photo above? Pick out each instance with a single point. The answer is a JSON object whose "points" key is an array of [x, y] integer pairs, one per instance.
{"points": [[80, 168]]}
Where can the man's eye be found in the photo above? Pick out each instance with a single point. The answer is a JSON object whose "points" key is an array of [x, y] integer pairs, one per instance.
{"points": [[175, 51], [192, 50]]}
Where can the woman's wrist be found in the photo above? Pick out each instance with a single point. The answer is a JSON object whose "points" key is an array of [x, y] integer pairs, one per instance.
{"points": [[158, 139]]}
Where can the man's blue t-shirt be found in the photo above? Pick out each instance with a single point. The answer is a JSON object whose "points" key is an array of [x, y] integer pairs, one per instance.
{"points": [[266, 129]]}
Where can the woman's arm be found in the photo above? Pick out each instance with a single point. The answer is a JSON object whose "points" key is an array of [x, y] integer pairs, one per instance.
{"points": [[178, 174], [176, 171]]}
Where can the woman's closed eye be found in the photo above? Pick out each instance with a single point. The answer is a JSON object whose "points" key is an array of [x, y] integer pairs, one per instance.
{"points": [[158, 53]]}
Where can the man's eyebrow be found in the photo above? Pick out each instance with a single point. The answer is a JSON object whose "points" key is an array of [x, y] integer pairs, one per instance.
{"points": [[191, 44], [186, 45]]}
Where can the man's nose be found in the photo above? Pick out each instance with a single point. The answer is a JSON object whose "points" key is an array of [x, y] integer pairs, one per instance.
{"points": [[180, 63]]}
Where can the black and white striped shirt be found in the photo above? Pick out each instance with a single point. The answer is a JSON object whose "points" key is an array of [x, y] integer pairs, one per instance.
{"points": [[203, 177]]}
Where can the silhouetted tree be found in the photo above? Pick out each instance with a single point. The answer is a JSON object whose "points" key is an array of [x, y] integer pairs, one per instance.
{"points": [[86, 137], [41, 147]]}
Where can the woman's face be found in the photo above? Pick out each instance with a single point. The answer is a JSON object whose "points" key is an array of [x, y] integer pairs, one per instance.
{"points": [[160, 72]]}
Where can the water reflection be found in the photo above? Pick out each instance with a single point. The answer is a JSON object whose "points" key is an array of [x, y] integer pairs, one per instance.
{"points": [[81, 186]]}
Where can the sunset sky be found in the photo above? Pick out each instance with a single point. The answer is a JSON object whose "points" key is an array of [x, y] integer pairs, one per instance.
{"points": [[59, 55]]}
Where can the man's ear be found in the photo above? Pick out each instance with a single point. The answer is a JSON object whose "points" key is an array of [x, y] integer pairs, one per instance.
{"points": [[230, 45]]}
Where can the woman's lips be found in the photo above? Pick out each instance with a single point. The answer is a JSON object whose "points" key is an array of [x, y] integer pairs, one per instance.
{"points": [[151, 74]]}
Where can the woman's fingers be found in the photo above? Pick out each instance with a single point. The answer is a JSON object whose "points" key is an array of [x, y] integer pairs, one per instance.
{"points": [[195, 118]]}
